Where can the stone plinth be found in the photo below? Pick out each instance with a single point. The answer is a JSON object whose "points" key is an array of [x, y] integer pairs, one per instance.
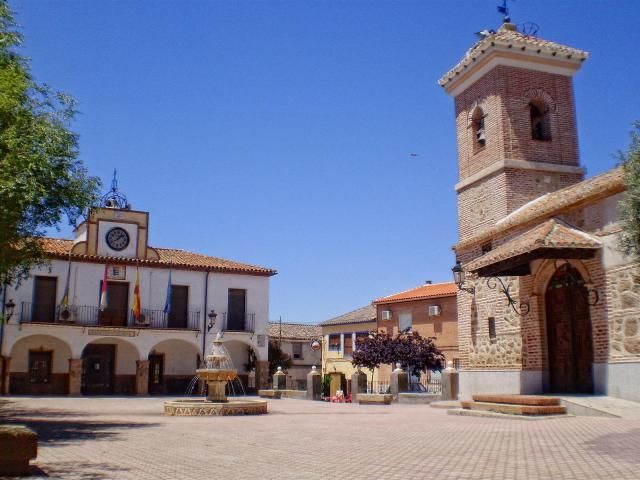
{"points": [[399, 382], [358, 385], [277, 394], [142, 377], [375, 398], [314, 385], [279, 380], [18, 445], [450, 383]]}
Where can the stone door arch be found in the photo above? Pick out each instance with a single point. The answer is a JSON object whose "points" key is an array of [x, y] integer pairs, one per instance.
{"points": [[569, 335]]}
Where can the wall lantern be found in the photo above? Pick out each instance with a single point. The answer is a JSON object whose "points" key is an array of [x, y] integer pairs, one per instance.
{"points": [[459, 278], [212, 319], [10, 306]]}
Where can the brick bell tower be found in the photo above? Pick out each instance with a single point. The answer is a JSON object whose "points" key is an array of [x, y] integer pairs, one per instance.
{"points": [[515, 123]]}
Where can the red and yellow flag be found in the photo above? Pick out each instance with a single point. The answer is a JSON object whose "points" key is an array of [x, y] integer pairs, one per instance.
{"points": [[136, 297]]}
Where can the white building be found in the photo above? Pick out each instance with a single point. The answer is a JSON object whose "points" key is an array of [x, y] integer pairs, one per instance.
{"points": [[49, 347]]}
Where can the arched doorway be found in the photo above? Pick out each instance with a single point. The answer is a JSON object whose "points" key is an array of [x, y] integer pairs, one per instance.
{"points": [[569, 339], [109, 367], [172, 367]]}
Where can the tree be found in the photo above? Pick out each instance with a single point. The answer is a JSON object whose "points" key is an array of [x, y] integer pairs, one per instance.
{"points": [[409, 349], [42, 180], [630, 205], [277, 358]]}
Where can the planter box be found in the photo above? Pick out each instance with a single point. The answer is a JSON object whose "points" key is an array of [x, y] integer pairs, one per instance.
{"points": [[18, 445], [270, 393], [375, 398]]}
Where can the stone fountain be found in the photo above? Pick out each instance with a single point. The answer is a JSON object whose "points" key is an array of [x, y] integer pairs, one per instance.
{"points": [[217, 372]]}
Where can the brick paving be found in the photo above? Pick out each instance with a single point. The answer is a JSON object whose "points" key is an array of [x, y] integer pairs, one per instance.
{"points": [[129, 438]]}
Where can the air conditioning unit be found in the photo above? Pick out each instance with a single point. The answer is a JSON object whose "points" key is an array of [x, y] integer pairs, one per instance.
{"points": [[435, 310], [386, 315]]}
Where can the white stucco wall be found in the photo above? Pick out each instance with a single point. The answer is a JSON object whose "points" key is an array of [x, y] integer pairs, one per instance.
{"points": [[180, 357]]}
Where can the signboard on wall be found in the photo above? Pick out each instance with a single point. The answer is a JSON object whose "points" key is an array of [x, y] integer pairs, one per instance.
{"points": [[116, 272]]}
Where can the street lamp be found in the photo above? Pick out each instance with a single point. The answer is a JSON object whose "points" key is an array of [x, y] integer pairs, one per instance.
{"points": [[10, 306], [459, 278], [212, 319]]}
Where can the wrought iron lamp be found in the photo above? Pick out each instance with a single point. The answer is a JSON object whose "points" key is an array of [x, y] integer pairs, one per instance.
{"points": [[459, 278], [212, 319], [10, 307]]}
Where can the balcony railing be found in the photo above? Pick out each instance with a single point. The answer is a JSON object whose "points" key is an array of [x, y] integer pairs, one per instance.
{"points": [[239, 323], [92, 316]]}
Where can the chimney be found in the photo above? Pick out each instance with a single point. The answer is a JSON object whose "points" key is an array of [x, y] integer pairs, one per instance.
{"points": [[428, 282]]}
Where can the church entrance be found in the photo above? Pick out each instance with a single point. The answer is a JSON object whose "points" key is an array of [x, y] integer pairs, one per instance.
{"points": [[569, 339]]}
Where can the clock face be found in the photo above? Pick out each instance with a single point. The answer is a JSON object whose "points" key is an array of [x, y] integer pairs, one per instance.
{"points": [[117, 239]]}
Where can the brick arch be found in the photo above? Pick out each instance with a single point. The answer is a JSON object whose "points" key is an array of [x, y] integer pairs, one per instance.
{"points": [[540, 95], [548, 268], [481, 104]]}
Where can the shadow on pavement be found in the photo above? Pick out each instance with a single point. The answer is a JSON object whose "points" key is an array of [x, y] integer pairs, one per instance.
{"points": [[622, 446]]}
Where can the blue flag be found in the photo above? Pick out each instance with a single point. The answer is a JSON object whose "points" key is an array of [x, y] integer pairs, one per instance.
{"points": [[167, 303]]}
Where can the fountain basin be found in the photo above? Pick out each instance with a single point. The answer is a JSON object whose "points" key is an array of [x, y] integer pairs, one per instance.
{"points": [[200, 407]]}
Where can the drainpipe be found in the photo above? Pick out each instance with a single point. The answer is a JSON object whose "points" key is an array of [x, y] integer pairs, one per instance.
{"points": [[204, 315]]}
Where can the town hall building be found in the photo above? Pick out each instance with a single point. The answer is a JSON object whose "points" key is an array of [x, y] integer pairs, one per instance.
{"points": [[112, 314], [548, 303]]}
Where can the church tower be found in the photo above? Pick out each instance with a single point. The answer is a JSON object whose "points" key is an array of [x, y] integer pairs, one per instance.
{"points": [[515, 123]]}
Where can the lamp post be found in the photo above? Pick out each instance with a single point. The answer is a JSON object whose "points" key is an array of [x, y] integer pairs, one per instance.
{"points": [[459, 278], [9, 308], [212, 319]]}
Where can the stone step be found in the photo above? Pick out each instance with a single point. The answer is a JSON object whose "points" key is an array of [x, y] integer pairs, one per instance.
{"points": [[533, 400], [513, 409]]}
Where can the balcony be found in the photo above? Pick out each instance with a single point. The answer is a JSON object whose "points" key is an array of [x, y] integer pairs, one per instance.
{"points": [[86, 315], [239, 323]]}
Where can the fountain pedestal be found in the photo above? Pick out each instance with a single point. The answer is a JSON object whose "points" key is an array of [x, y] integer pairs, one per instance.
{"points": [[216, 382]]}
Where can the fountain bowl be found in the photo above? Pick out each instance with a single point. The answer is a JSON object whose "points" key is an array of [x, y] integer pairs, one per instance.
{"points": [[197, 407]]}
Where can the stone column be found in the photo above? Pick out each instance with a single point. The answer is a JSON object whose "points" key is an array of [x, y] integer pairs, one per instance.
{"points": [[450, 383], [399, 381], [142, 377], [314, 384], [358, 384], [279, 380], [262, 375], [6, 374], [75, 376]]}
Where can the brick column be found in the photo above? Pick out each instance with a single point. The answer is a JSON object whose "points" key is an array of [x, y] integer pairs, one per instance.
{"points": [[75, 376], [142, 377], [6, 375], [262, 375]]}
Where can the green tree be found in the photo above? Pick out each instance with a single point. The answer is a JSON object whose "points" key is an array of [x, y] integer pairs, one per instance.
{"points": [[630, 205], [277, 358], [42, 181]]}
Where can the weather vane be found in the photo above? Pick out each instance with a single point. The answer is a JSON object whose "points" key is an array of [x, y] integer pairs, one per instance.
{"points": [[504, 10], [113, 198]]}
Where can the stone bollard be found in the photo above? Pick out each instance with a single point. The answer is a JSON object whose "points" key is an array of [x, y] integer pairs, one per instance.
{"points": [[314, 384], [279, 380], [18, 445], [399, 381], [358, 384], [450, 383]]}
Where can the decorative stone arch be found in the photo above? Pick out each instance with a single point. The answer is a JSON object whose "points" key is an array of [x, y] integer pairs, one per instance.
{"points": [[20, 352]]}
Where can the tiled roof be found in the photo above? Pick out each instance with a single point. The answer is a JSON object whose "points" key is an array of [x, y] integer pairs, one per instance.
{"points": [[554, 203], [431, 290], [361, 315], [552, 234], [508, 37], [299, 331], [59, 248]]}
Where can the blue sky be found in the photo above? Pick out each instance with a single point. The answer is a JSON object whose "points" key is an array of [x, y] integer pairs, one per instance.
{"points": [[280, 132]]}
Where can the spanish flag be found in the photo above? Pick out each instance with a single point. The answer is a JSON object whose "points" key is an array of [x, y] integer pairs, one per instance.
{"points": [[136, 297]]}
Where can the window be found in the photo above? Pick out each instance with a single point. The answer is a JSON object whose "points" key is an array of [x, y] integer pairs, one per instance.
{"points": [[297, 351], [156, 369], [348, 344], [404, 322], [479, 136], [456, 363], [44, 299], [237, 309], [179, 306], [360, 336], [334, 342], [540, 122], [40, 367], [492, 330], [486, 248]]}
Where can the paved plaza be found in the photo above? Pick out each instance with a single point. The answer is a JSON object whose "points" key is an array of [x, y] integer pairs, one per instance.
{"points": [[103, 438]]}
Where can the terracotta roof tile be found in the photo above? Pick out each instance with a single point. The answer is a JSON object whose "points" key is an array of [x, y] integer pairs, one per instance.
{"points": [[296, 331], [587, 191], [507, 37], [173, 257], [432, 290], [361, 315], [552, 234]]}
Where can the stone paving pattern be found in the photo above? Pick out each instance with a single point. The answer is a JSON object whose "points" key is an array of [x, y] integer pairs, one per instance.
{"points": [[129, 438]]}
